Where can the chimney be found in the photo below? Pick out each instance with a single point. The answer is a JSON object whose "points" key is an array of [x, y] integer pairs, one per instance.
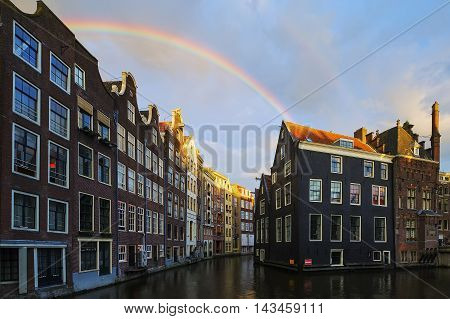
{"points": [[361, 134], [435, 136]]}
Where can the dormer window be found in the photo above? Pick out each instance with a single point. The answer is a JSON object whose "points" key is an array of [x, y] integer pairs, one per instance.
{"points": [[282, 151], [416, 151], [344, 143]]}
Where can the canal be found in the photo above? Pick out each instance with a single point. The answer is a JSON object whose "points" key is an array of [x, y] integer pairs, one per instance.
{"points": [[236, 277]]}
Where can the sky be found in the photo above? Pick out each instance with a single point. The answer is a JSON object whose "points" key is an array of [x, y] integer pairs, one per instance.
{"points": [[288, 48]]}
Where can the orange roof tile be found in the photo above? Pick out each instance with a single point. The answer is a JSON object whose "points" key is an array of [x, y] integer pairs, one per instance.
{"points": [[313, 135], [164, 126]]}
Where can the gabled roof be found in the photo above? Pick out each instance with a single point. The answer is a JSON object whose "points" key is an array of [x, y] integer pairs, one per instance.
{"points": [[163, 126], [309, 134]]}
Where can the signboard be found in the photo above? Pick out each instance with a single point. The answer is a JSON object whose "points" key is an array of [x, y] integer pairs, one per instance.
{"points": [[308, 262]]}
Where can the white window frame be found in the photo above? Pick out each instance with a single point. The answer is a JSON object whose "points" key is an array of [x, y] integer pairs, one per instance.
{"points": [[360, 229], [340, 198], [321, 227], [278, 193], [92, 162], [37, 213], [66, 227], [130, 138], [290, 194], [122, 138], [140, 153], [373, 255], [110, 215], [342, 257], [69, 75], [76, 66], [38, 152], [373, 169], [38, 121], [286, 166], [385, 229], [359, 197], [331, 164], [131, 112], [285, 229], [124, 205], [331, 229], [98, 164], [39, 57], [386, 195], [282, 151], [274, 178], [321, 190], [141, 193], [79, 211], [125, 184], [279, 236], [387, 171], [124, 253], [67, 165], [68, 118], [134, 180]]}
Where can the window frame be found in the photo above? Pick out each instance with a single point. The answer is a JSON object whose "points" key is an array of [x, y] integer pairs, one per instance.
{"points": [[341, 191], [286, 166], [98, 168], [342, 257], [321, 227], [286, 228], [38, 102], [110, 215], [379, 197], [75, 67], [92, 161], [373, 255], [123, 253], [359, 197], [278, 192], [331, 229], [279, 235], [374, 229], [69, 75], [67, 186], [79, 212], [66, 227], [290, 194], [37, 68], [373, 169], [360, 229], [49, 118], [386, 169], [321, 190], [340, 166], [38, 152], [37, 212]]}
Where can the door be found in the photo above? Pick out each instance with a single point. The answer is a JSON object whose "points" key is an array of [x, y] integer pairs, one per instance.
{"points": [[386, 257], [104, 258], [175, 254], [49, 266], [262, 254], [132, 256]]}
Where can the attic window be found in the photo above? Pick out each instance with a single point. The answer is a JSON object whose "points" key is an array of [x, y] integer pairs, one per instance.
{"points": [[345, 143], [282, 134], [416, 151]]}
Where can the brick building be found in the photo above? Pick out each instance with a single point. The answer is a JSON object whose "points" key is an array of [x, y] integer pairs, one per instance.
{"points": [[243, 220], [444, 208]]}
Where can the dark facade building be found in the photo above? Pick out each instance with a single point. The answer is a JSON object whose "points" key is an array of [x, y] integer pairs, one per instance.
{"points": [[415, 180], [328, 205], [443, 209]]}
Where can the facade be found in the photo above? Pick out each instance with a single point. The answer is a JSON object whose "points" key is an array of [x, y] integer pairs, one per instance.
{"points": [[175, 186], [209, 218], [328, 204], [243, 202], [415, 178], [224, 186], [443, 209]]}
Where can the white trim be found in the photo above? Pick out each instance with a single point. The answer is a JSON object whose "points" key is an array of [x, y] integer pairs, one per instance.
{"points": [[290, 194], [276, 202], [67, 165], [321, 227], [38, 121], [389, 260], [38, 67], [110, 216], [385, 229], [76, 66], [373, 255], [37, 213], [342, 257], [48, 216], [38, 152], [79, 211], [373, 169], [331, 229], [279, 240], [290, 168], [98, 164], [331, 164], [360, 229], [385, 195], [387, 171], [343, 151], [340, 197], [309, 190], [359, 197], [124, 252], [68, 118], [67, 89], [290, 229], [92, 162]]}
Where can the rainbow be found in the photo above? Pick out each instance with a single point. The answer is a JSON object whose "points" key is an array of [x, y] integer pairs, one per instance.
{"points": [[191, 47]]}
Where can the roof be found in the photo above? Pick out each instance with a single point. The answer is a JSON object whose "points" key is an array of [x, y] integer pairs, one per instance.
{"points": [[306, 133], [164, 126]]}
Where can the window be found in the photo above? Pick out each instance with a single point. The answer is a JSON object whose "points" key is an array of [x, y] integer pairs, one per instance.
{"points": [[379, 195], [59, 119], [121, 176], [155, 223], [177, 158], [274, 178], [155, 192], [282, 151], [140, 153], [426, 200], [27, 47], [25, 211], [122, 208], [336, 192], [169, 204], [154, 136], [287, 228], [131, 146], [336, 164], [175, 206], [122, 253], [337, 257], [103, 131], [287, 169], [88, 255], [384, 171], [411, 203], [26, 99], [410, 230], [57, 216], [58, 165], [85, 161], [355, 228], [287, 194], [140, 187], [121, 139], [148, 249], [105, 215], [161, 250], [79, 77], [161, 168], [86, 212], [380, 229], [131, 218], [376, 255], [278, 198], [262, 207], [84, 120], [26, 152], [59, 73], [131, 112], [170, 175], [104, 169], [345, 143], [140, 220], [161, 195], [279, 229], [368, 169], [171, 151], [315, 190], [155, 163], [148, 159], [315, 227], [336, 228], [131, 181], [177, 180], [182, 183], [9, 264], [355, 194]]}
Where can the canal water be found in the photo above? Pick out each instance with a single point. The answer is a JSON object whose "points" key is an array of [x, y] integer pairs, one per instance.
{"points": [[236, 277]]}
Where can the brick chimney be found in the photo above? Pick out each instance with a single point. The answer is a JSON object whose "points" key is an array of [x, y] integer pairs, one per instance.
{"points": [[435, 136], [361, 134]]}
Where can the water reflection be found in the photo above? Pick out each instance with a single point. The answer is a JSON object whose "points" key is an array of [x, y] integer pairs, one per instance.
{"points": [[236, 277]]}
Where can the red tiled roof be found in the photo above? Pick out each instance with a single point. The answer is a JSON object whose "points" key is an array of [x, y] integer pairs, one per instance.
{"points": [[304, 133], [163, 126]]}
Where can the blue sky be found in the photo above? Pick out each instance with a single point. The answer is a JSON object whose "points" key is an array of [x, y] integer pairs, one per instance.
{"points": [[291, 47]]}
